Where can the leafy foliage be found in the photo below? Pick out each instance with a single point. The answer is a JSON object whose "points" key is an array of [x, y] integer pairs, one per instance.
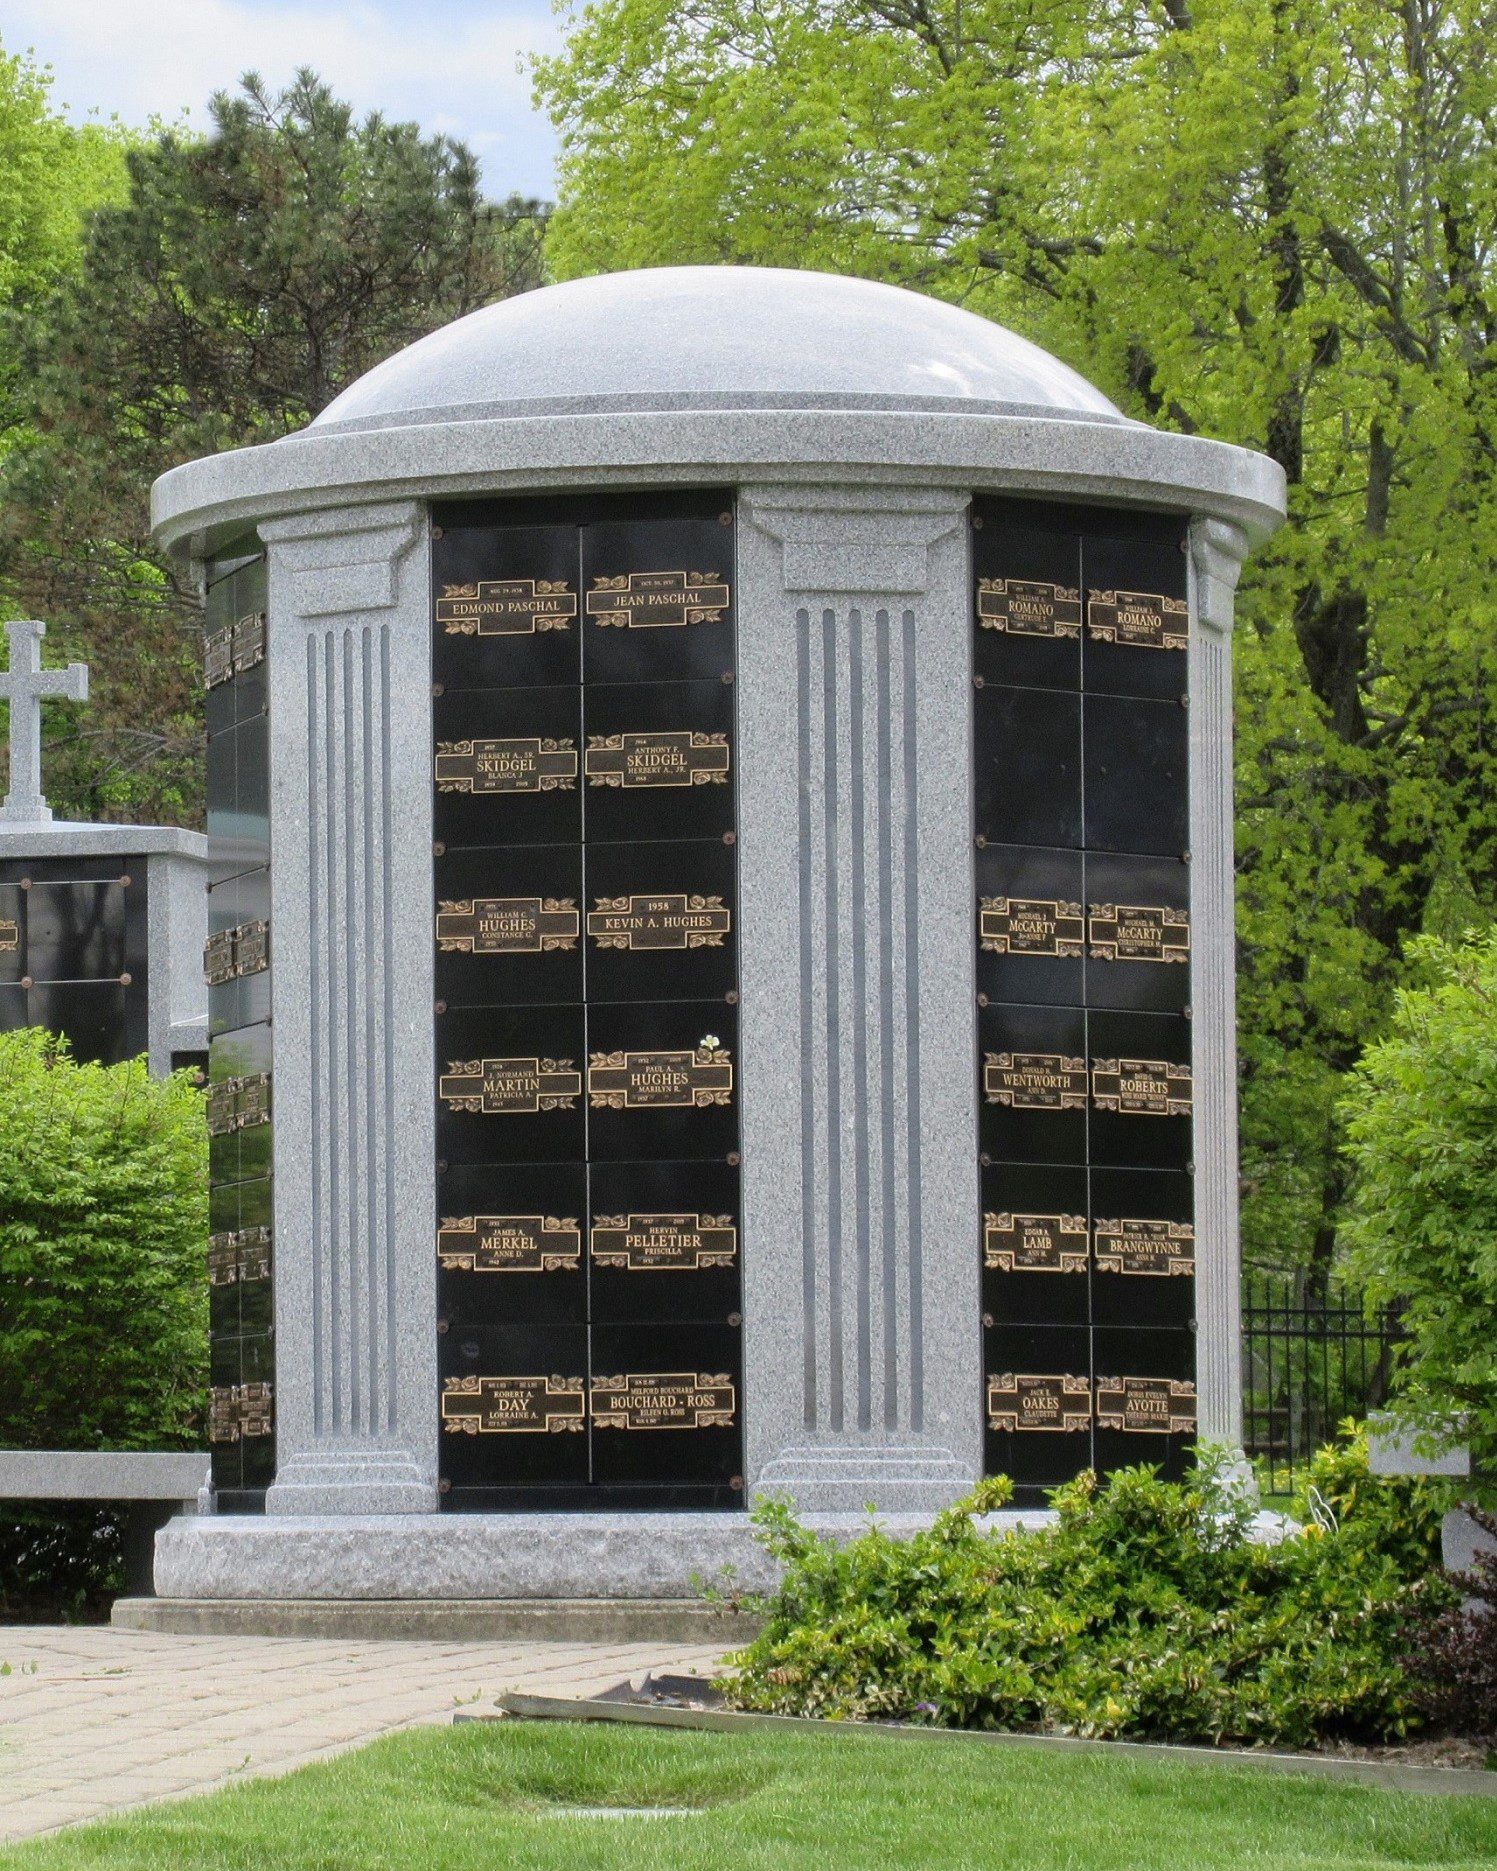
{"points": [[103, 1215], [1452, 1648], [1400, 1514], [245, 280], [1264, 220], [1145, 1611], [1421, 1121]]}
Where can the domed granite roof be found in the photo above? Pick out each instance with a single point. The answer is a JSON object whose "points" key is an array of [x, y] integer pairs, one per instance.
{"points": [[714, 337]]}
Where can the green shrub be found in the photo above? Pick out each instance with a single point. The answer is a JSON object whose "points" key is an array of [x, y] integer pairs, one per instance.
{"points": [[1144, 1611], [1401, 1515]]}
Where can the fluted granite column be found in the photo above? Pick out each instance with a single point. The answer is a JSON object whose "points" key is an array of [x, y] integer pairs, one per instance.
{"points": [[1217, 549], [860, 1213], [350, 746]]}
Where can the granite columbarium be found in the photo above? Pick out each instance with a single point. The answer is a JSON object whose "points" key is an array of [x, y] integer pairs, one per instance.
{"points": [[732, 771]]}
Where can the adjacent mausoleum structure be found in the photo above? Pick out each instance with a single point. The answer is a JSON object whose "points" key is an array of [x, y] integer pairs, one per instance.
{"points": [[730, 990]]}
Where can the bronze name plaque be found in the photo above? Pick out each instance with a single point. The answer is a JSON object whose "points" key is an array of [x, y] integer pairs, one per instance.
{"points": [[663, 1400], [10, 936], [1134, 932], [509, 1244], [640, 1081], [507, 925], [1025, 609], [1030, 926], [663, 1243], [510, 1087], [1017, 1403], [1141, 1087], [1034, 1243], [524, 765], [240, 1412], [672, 921], [673, 757], [1034, 1081], [648, 600], [239, 1256], [230, 954], [512, 1406], [1161, 1406], [1145, 1247], [1140, 619], [233, 648], [506, 607], [238, 1104]]}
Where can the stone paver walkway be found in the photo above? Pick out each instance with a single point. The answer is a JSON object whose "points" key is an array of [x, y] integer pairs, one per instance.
{"points": [[93, 1720]]}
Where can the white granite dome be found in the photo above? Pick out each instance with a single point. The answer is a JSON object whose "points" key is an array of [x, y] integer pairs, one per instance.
{"points": [[715, 337]]}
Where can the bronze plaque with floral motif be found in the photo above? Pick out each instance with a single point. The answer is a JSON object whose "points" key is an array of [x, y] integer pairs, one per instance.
{"points": [[663, 1400], [1017, 1403], [1141, 1087], [507, 925], [1034, 1243], [663, 1243], [1024, 608], [1030, 926], [638, 1081], [1161, 1406], [1131, 932], [673, 921], [520, 765], [1034, 1081], [10, 936], [1140, 619], [648, 600], [506, 607], [510, 1087], [671, 757], [513, 1406], [1160, 1248], [510, 1243]]}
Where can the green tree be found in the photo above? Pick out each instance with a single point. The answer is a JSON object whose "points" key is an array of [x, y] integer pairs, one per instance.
{"points": [[1265, 220], [1421, 1223], [244, 280]]}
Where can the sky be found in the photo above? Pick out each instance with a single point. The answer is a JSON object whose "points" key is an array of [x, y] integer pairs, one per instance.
{"points": [[449, 67]]}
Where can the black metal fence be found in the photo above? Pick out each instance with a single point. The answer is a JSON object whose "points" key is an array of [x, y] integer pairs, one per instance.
{"points": [[1308, 1359]]}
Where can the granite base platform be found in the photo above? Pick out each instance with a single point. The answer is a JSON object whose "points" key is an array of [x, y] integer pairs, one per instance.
{"points": [[683, 1621]]}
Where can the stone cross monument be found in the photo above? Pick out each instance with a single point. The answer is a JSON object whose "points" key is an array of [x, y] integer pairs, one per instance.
{"points": [[26, 685]]}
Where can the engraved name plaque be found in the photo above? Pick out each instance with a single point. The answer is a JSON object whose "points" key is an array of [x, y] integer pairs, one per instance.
{"points": [[1140, 619], [506, 607], [238, 1104], [512, 1406], [10, 936], [1133, 932], [1146, 1247], [1162, 1406], [1030, 926], [239, 1256], [509, 1244], [233, 648], [673, 757], [630, 1081], [663, 1243], [1034, 1081], [240, 1412], [1018, 1403], [507, 925], [1141, 1087], [659, 922], [525, 765], [648, 600], [510, 1087], [663, 1400], [1025, 609], [1034, 1243], [230, 954]]}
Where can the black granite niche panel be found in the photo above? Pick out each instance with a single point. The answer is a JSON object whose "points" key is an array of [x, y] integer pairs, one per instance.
{"points": [[584, 921], [1082, 933], [73, 959], [239, 964]]}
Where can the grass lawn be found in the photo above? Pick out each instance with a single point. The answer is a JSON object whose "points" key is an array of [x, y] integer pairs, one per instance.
{"points": [[480, 1797]]}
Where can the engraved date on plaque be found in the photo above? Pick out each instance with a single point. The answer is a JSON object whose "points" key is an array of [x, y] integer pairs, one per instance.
{"points": [[1140, 619], [663, 1243], [1034, 1081], [649, 600], [1157, 1248], [10, 936], [506, 607], [677, 921], [1161, 1406], [1137, 932], [1034, 1243], [507, 925], [510, 1087], [1030, 926], [512, 1406], [664, 1400], [673, 757], [528, 764], [509, 1243], [1026, 609], [239, 1256], [1141, 1087], [1019, 1402], [640, 1081]]}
